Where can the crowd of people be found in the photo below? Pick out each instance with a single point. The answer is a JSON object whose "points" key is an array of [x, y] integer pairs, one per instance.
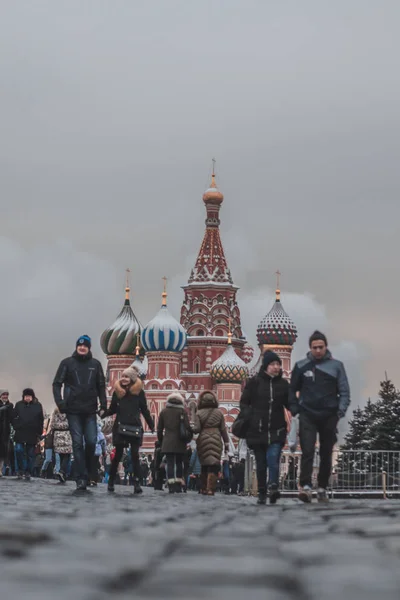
{"points": [[188, 455]]}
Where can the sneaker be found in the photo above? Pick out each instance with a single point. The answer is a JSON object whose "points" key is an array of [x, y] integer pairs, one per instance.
{"points": [[61, 477], [273, 493], [305, 494], [322, 496], [93, 483], [262, 497]]}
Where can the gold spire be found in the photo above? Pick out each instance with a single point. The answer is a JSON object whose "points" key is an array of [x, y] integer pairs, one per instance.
{"points": [[164, 294], [278, 291], [127, 288], [213, 184], [137, 344], [230, 331]]}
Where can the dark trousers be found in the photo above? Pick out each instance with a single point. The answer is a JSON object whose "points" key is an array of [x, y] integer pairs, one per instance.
{"points": [[174, 465], [268, 457], [83, 429], [64, 462], [326, 428], [25, 455], [119, 451]]}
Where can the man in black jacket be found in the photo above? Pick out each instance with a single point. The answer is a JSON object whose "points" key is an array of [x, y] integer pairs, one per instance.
{"points": [[84, 384], [27, 420], [320, 394]]}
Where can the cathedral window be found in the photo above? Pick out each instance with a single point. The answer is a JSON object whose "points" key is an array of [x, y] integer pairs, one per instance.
{"points": [[200, 332], [168, 386], [154, 386], [219, 333]]}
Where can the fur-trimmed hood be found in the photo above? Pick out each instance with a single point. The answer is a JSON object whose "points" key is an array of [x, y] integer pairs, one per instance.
{"points": [[134, 388], [207, 399], [175, 401]]}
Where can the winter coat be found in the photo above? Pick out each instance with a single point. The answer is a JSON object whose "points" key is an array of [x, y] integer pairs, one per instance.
{"points": [[62, 441], [265, 399], [323, 386], [169, 425], [6, 412], [84, 383], [128, 405], [210, 424], [27, 420]]}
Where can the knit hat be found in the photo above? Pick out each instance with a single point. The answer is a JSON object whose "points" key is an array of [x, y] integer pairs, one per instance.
{"points": [[84, 340], [28, 392], [317, 335], [132, 373], [4, 392], [270, 357]]}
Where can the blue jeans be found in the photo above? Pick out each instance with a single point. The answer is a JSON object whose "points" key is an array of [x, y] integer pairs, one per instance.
{"points": [[83, 429], [25, 457], [48, 459], [268, 456]]}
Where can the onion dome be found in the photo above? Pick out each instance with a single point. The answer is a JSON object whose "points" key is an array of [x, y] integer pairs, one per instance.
{"points": [[277, 328], [164, 333], [247, 353], [140, 363], [229, 367], [213, 195], [121, 337]]}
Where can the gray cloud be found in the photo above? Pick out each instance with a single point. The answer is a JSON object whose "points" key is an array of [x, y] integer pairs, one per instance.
{"points": [[110, 114]]}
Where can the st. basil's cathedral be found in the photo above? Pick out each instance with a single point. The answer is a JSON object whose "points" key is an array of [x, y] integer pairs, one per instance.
{"points": [[207, 349]]}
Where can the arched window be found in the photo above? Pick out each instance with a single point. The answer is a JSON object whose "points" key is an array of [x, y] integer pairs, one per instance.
{"points": [[197, 368], [168, 386], [199, 332], [219, 333], [154, 386]]}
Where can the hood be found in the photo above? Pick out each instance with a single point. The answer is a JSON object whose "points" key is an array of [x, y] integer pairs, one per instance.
{"points": [[328, 356], [265, 375], [87, 356], [207, 399], [175, 401], [133, 389]]}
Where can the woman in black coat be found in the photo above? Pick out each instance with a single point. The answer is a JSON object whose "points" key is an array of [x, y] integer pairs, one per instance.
{"points": [[128, 404], [264, 399], [6, 411]]}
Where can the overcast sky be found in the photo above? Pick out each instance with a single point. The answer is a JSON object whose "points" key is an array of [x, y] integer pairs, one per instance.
{"points": [[110, 115]]}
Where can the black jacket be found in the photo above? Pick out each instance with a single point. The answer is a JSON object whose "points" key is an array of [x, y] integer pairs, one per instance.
{"points": [[83, 381], [128, 408], [264, 399], [6, 413], [323, 387], [27, 420]]}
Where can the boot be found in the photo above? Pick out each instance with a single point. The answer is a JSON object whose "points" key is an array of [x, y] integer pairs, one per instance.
{"points": [[178, 486], [171, 486], [81, 485], [137, 487], [211, 484], [110, 486], [203, 484], [273, 493], [262, 497]]}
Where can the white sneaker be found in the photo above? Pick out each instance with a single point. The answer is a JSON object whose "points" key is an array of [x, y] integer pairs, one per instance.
{"points": [[322, 496], [305, 494]]}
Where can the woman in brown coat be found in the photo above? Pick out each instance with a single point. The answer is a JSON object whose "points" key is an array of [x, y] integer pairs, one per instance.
{"points": [[168, 432], [210, 424]]}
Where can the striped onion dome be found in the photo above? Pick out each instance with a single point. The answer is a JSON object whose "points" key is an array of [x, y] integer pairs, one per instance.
{"points": [[163, 333], [277, 328], [121, 337], [247, 353], [229, 367]]}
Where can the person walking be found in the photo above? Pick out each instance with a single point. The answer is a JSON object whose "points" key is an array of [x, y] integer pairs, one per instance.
{"points": [[62, 442], [128, 404], [264, 399], [78, 386], [172, 443], [213, 436], [27, 420], [320, 394], [6, 411]]}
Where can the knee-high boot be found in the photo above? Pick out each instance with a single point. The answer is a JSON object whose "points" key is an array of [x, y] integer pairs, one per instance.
{"points": [[211, 484]]}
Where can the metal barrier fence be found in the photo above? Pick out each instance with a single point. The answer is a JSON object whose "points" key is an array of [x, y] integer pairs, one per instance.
{"points": [[354, 472]]}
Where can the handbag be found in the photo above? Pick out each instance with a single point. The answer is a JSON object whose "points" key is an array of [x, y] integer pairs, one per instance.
{"points": [[185, 434], [131, 432], [241, 425]]}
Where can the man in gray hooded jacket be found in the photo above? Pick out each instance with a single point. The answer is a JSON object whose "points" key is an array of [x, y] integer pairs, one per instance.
{"points": [[320, 394]]}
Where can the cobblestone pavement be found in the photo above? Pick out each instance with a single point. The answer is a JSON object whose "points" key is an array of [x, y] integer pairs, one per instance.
{"points": [[57, 545]]}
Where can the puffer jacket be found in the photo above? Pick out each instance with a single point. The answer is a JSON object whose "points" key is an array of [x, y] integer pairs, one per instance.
{"points": [[265, 398], [62, 441], [169, 425], [211, 427]]}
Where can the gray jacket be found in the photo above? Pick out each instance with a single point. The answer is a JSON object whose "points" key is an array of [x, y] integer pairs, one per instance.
{"points": [[323, 386]]}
